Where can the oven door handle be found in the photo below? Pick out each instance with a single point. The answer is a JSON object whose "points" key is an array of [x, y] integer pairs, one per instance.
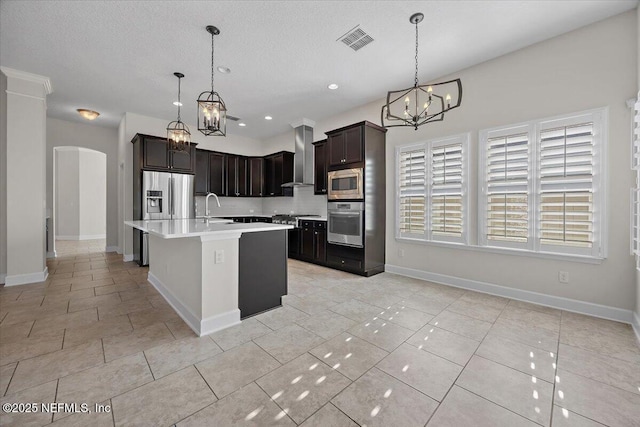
{"points": [[345, 213]]}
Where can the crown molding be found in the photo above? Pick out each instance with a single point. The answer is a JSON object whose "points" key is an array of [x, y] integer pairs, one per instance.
{"points": [[34, 78]]}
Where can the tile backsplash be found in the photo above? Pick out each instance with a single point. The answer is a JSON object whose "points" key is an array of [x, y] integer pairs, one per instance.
{"points": [[302, 202]]}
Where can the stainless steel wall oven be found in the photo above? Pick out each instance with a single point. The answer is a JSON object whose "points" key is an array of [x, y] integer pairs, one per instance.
{"points": [[345, 223]]}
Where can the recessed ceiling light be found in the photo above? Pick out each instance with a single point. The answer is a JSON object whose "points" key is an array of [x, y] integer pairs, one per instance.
{"points": [[224, 70], [268, 117], [333, 86], [242, 124], [177, 104], [88, 114]]}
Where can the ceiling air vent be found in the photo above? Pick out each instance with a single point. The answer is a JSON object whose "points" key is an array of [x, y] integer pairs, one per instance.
{"points": [[233, 118], [356, 38]]}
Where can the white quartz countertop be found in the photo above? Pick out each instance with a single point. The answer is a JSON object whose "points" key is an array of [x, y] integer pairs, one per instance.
{"points": [[180, 228]]}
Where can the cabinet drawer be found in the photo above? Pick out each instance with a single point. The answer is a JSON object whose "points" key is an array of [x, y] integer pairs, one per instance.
{"points": [[344, 262], [320, 225], [305, 223]]}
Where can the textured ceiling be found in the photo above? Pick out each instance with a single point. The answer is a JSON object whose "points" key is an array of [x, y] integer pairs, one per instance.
{"points": [[119, 56]]}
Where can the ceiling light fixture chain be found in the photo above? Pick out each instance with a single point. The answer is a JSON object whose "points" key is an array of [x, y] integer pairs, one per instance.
{"points": [[212, 112], [179, 87], [416, 77], [420, 104], [178, 134], [213, 46]]}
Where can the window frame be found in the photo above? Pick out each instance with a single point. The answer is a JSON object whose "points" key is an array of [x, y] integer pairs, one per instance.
{"points": [[599, 118], [428, 146]]}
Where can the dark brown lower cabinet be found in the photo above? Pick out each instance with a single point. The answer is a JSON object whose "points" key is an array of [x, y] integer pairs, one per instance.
{"points": [[313, 241]]}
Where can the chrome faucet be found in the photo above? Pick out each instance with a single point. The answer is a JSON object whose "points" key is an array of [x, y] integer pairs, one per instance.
{"points": [[206, 203]]}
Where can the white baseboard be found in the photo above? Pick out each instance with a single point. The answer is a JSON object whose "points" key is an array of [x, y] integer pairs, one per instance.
{"points": [[127, 258], [636, 324], [83, 237], [22, 279], [200, 327], [51, 254], [2, 278], [112, 249], [220, 321], [567, 304]]}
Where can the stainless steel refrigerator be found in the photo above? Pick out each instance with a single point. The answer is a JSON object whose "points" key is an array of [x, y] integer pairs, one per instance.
{"points": [[165, 196]]}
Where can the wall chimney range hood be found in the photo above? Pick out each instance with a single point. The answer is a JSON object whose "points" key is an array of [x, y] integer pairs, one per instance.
{"points": [[303, 159]]}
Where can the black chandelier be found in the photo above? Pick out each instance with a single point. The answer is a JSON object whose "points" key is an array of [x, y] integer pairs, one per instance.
{"points": [[178, 135], [212, 113], [420, 104]]}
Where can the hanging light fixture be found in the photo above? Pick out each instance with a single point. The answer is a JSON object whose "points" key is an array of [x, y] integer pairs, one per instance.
{"points": [[178, 135], [212, 113], [420, 104]]}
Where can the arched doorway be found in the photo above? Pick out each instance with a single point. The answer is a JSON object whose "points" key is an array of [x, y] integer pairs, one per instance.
{"points": [[79, 200]]}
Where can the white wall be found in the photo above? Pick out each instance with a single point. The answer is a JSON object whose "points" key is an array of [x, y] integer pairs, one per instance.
{"points": [[93, 194], [67, 194], [570, 73], [638, 87], [93, 137], [80, 194], [3, 177], [135, 123]]}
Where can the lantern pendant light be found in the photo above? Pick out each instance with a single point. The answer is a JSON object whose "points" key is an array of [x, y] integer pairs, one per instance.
{"points": [[212, 113], [420, 104], [178, 135]]}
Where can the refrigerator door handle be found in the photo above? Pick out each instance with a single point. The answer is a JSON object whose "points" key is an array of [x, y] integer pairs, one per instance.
{"points": [[171, 195]]}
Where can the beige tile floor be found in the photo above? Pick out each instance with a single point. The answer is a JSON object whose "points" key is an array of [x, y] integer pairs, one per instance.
{"points": [[343, 351]]}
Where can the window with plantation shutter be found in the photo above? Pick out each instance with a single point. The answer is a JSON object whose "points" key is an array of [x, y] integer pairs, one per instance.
{"points": [[446, 213], [566, 175], [541, 185], [431, 191], [411, 192], [507, 175]]}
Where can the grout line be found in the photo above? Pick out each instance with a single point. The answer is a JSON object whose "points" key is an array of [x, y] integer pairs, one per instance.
{"points": [[149, 365], [497, 404], [208, 385], [55, 397], [269, 397]]}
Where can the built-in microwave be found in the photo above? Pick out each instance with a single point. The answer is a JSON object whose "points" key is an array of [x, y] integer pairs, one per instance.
{"points": [[346, 184]]}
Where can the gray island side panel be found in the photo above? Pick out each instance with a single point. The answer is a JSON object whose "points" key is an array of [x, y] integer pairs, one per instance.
{"points": [[262, 271]]}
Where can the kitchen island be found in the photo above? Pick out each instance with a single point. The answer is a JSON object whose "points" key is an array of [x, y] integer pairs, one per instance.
{"points": [[215, 272]]}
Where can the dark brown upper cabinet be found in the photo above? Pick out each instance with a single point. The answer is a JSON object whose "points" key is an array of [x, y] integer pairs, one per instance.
{"points": [[156, 155], [345, 146], [256, 176], [320, 167], [217, 173], [278, 170], [210, 173], [236, 175], [202, 173]]}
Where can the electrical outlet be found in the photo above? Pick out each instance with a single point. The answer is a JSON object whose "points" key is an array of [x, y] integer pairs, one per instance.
{"points": [[251, 210], [219, 256], [400, 253], [563, 276]]}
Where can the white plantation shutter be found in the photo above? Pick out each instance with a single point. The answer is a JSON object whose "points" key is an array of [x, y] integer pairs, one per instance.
{"points": [[431, 190], [507, 183], [541, 185], [411, 192], [566, 176], [446, 216]]}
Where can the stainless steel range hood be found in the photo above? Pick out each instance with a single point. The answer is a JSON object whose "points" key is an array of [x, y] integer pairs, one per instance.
{"points": [[303, 159]]}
